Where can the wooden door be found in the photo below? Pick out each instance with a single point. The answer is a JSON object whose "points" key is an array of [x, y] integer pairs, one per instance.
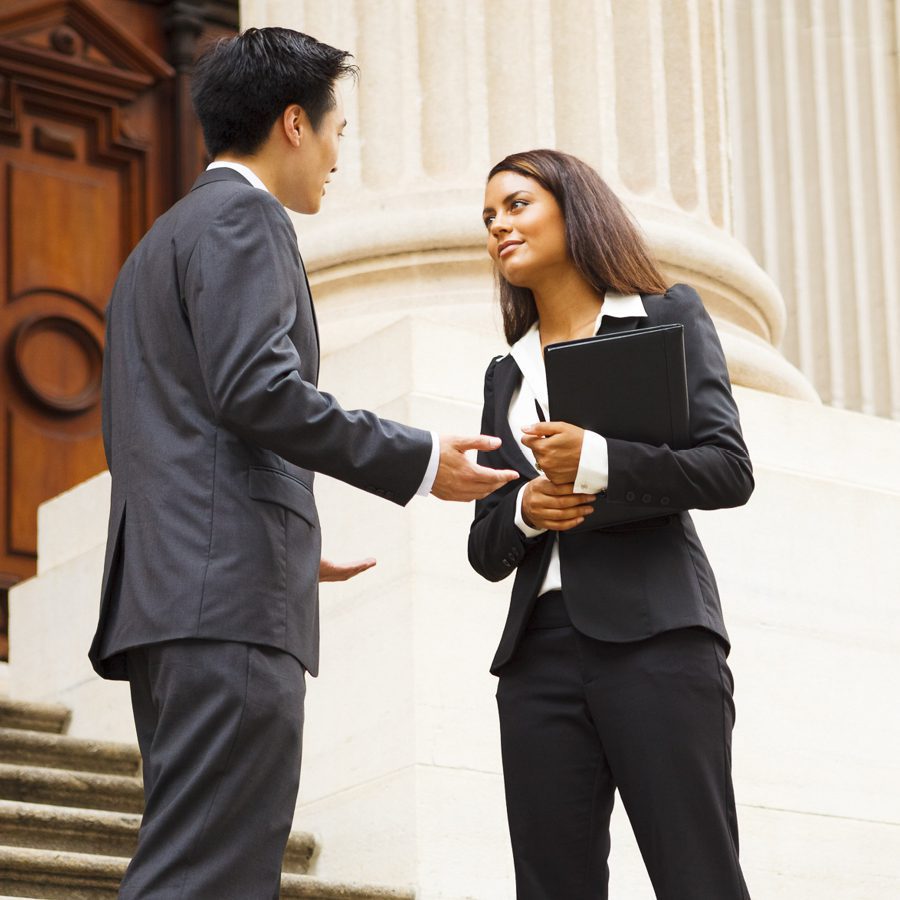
{"points": [[91, 151]]}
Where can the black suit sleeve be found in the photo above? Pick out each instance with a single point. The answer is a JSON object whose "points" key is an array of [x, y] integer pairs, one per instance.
{"points": [[496, 546], [240, 295], [715, 472]]}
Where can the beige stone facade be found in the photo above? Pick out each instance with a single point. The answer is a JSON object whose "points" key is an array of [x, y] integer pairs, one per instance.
{"points": [[401, 765]]}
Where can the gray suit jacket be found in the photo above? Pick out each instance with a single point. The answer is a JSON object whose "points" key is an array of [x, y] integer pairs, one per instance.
{"points": [[213, 428]]}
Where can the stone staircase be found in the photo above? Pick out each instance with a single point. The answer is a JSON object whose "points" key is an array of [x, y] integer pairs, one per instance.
{"points": [[70, 811]]}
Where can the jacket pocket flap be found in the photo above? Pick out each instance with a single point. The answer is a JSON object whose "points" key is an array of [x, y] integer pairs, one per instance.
{"points": [[649, 524], [273, 486]]}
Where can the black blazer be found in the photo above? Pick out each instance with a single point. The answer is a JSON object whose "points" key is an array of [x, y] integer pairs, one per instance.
{"points": [[213, 428], [626, 582]]}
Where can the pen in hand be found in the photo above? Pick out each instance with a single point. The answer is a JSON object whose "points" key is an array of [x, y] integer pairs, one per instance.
{"points": [[541, 418]]}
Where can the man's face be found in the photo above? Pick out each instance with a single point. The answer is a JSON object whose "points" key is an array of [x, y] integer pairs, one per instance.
{"points": [[316, 159]]}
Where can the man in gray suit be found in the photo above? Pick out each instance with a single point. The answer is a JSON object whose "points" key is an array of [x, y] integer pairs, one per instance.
{"points": [[213, 428]]}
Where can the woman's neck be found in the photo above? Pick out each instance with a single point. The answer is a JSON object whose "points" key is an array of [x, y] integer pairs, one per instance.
{"points": [[567, 309]]}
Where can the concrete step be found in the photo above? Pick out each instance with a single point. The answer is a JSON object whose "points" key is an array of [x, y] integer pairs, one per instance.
{"points": [[307, 888], [57, 875], [38, 826], [59, 787], [52, 717], [54, 875], [59, 751]]}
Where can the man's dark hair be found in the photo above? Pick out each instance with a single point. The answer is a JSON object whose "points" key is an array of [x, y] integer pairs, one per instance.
{"points": [[241, 85]]}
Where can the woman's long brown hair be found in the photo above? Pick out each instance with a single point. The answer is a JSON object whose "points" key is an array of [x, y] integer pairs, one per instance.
{"points": [[602, 238]]}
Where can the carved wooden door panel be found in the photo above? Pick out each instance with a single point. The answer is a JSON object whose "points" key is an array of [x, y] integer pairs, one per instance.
{"points": [[85, 108]]}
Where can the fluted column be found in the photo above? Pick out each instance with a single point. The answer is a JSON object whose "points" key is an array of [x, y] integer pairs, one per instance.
{"points": [[816, 141], [635, 87]]}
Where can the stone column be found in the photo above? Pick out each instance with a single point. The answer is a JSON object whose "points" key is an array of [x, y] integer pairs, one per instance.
{"points": [[635, 88], [815, 131]]}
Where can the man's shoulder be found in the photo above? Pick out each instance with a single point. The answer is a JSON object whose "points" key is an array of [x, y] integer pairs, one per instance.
{"points": [[223, 202]]}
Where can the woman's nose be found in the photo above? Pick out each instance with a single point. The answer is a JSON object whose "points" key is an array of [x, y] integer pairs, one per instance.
{"points": [[498, 226]]}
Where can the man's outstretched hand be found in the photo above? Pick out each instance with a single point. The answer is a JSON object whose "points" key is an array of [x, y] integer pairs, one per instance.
{"points": [[332, 571], [458, 478]]}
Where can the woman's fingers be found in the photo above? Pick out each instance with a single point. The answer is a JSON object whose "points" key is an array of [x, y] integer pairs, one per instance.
{"points": [[560, 515], [554, 506], [543, 485], [560, 492], [567, 526]]}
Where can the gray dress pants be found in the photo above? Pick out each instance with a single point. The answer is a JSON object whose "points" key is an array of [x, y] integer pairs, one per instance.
{"points": [[219, 725]]}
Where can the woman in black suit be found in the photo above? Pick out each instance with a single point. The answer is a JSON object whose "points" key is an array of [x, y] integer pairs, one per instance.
{"points": [[612, 670]]}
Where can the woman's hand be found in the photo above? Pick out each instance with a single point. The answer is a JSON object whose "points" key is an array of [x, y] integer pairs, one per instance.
{"points": [[554, 506], [330, 571], [557, 449]]}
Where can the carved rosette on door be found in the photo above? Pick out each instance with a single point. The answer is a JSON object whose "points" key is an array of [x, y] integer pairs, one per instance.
{"points": [[83, 151]]}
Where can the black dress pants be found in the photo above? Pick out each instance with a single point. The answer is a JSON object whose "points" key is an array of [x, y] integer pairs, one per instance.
{"points": [[219, 725], [653, 718]]}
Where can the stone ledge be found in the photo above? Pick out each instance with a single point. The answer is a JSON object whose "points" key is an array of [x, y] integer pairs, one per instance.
{"points": [[83, 876], [48, 827], [85, 790], [46, 717], [73, 522], [308, 888], [58, 875], [41, 826], [59, 751]]}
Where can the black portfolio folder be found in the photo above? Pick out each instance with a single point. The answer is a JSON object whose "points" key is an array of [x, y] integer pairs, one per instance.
{"points": [[629, 385]]}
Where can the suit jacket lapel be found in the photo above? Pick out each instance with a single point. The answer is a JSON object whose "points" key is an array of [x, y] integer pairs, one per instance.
{"points": [[612, 325], [507, 378]]}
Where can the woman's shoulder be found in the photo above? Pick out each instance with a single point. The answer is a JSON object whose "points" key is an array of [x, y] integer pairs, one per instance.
{"points": [[678, 302]]}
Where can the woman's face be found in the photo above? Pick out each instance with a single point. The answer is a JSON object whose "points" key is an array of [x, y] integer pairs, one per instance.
{"points": [[526, 230]]}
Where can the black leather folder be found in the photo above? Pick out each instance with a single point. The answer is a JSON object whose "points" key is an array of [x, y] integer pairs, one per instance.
{"points": [[629, 385]]}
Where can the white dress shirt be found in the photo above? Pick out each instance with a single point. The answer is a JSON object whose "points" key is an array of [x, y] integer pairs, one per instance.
{"points": [[433, 462], [593, 467]]}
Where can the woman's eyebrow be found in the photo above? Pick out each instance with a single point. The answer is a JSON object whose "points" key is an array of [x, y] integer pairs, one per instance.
{"points": [[506, 200]]}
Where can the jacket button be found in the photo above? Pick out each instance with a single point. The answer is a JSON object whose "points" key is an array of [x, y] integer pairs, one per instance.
{"points": [[664, 501], [630, 495], [507, 564], [646, 498]]}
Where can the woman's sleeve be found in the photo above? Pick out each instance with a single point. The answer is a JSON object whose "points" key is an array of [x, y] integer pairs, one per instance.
{"points": [[496, 545], [715, 471]]}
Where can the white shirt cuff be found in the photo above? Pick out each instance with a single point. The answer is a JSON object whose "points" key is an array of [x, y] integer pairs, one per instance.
{"points": [[521, 524], [592, 476], [431, 472]]}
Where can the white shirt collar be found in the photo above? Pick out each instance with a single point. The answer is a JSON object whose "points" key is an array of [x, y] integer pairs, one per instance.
{"points": [[527, 350], [241, 169], [621, 306]]}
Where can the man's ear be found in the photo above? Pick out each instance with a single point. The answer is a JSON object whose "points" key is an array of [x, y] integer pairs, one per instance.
{"points": [[295, 124]]}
